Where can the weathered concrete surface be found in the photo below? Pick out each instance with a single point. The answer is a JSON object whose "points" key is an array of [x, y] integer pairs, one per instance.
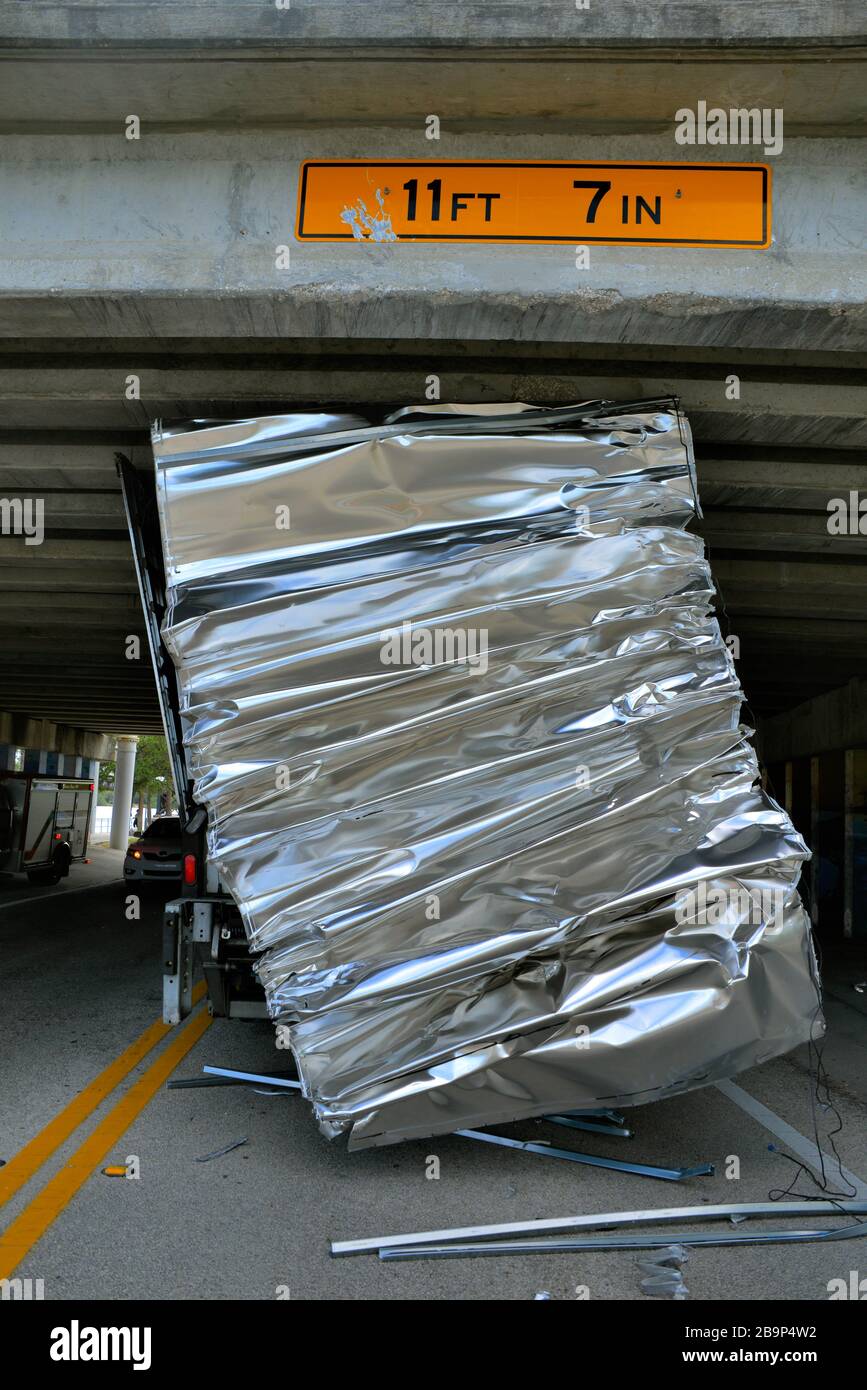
{"points": [[789, 409], [476, 23], [177, 236], [51, 675], [837, 719], [69, 605], [156, 259], [573, 92], [23, 732]]}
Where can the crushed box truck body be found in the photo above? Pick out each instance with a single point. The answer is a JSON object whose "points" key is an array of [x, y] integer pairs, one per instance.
{"points": [[468, 791]]}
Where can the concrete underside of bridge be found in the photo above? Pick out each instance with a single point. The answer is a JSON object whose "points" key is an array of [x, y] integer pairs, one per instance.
{"points": [[142, 278]]}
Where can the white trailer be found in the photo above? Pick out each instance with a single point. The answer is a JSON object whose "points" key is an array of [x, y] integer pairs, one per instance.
{"points": [[44, 822]]}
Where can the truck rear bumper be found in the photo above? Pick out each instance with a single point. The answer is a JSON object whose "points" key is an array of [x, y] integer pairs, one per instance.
{"points": [[207, 933]]}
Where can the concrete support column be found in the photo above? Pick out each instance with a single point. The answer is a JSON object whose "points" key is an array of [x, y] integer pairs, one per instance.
{"points": [[124, 775], [94, 777]]}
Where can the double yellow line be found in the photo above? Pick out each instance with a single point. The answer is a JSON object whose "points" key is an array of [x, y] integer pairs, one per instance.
{"points": [[19, 1238]]}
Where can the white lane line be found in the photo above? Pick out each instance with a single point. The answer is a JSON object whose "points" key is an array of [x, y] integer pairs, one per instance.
{"points": [[804, 1148], [63, 893]]}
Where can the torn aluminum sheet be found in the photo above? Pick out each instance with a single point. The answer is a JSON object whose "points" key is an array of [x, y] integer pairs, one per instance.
{"points": [[663, 1273], [468, 737], [607, 1221], [545, 1150], [571, 1244]]}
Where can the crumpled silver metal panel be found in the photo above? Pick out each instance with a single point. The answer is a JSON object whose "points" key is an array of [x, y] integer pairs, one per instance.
{"points": [[469, 741]]}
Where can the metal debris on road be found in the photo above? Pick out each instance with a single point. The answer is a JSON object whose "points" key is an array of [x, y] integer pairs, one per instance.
{"points": [[572, 1122], [276, 1079], [663, 1274], [642, 1170], [601, 1221], [567, 1244], [218, 1153], [235, 1079]]}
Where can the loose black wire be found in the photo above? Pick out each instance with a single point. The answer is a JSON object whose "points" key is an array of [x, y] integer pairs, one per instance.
{"points": [[820, 1088], [820, 1094]]}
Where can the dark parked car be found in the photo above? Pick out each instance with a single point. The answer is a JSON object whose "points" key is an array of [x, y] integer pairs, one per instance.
{"points": [[157, 852]]}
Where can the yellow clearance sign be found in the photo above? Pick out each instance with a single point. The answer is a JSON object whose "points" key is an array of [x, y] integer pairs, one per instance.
{"points": [[501, 201]]}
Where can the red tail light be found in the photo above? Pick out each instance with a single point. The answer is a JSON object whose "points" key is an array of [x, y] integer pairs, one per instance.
{"points": [[58, 835], [191, 872]]}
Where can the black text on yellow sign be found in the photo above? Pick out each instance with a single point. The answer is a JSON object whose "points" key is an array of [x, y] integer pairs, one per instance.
{"points": [[501, 201]]}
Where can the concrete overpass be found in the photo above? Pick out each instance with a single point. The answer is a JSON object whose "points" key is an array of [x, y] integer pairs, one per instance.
{"points": [[142, 278]]}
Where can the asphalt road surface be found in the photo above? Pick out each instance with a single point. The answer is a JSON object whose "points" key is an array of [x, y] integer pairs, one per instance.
{"points": [[84, 1064]]}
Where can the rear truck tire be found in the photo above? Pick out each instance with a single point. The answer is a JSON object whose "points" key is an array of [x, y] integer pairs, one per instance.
{"points": [[59, 869]]}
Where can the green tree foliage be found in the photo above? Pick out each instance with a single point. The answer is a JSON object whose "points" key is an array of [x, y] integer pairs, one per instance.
{"points": [[153, 774]]}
